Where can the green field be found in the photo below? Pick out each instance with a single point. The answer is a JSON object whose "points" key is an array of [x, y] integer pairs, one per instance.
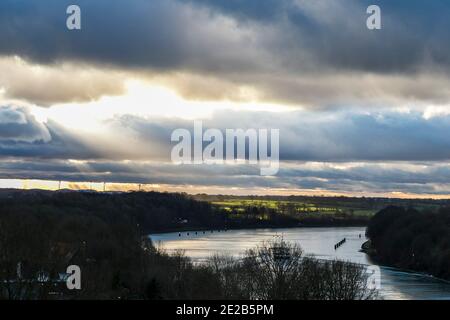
{"points": [[304, 210], [293, 207]]}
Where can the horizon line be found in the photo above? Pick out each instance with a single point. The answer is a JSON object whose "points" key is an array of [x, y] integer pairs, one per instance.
{"points": [[57, 185]]}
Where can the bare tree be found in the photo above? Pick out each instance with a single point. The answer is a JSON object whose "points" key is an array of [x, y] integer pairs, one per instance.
{"points": [[278, 270]]}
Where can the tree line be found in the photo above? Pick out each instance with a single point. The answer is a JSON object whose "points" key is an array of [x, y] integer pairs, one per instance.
{"points": [[412, 239]]}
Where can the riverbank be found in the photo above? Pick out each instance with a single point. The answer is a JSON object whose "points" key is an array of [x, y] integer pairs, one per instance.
{"points": [[411, 240], [318, 242], [367, 249], [259, 227]]}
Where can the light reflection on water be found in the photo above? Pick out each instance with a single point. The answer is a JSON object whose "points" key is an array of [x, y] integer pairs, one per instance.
{"points": [[318, 242]]}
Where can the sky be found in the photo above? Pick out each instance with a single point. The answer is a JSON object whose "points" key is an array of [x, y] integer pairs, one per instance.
{"points": [[360, 112]]}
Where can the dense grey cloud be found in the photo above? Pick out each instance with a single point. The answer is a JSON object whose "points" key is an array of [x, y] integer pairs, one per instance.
{"points": [[157, 34], [171, 34], [309, 53], [304, 136], [382, 178], [17, 125], [413, 33], [347, 135], [48, 85]]}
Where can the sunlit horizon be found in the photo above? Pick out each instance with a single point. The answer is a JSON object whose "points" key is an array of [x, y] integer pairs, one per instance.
{"points": [[25, 184]]}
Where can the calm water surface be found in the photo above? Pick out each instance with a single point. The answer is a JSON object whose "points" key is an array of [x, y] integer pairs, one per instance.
{"points": [[318, 242]]}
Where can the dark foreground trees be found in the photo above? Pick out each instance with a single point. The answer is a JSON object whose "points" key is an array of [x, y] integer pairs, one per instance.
{"points": [[41, 237], [278, 270]]}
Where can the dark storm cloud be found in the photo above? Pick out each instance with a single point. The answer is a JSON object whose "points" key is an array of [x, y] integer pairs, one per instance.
{"points": [[139, 33], [316, 54], [173, 34], [413, 33]]}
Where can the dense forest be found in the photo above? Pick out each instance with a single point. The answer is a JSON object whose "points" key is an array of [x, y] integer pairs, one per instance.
{"points": [[42, 233], [154, 212], [148, 211], [412, 239]]}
